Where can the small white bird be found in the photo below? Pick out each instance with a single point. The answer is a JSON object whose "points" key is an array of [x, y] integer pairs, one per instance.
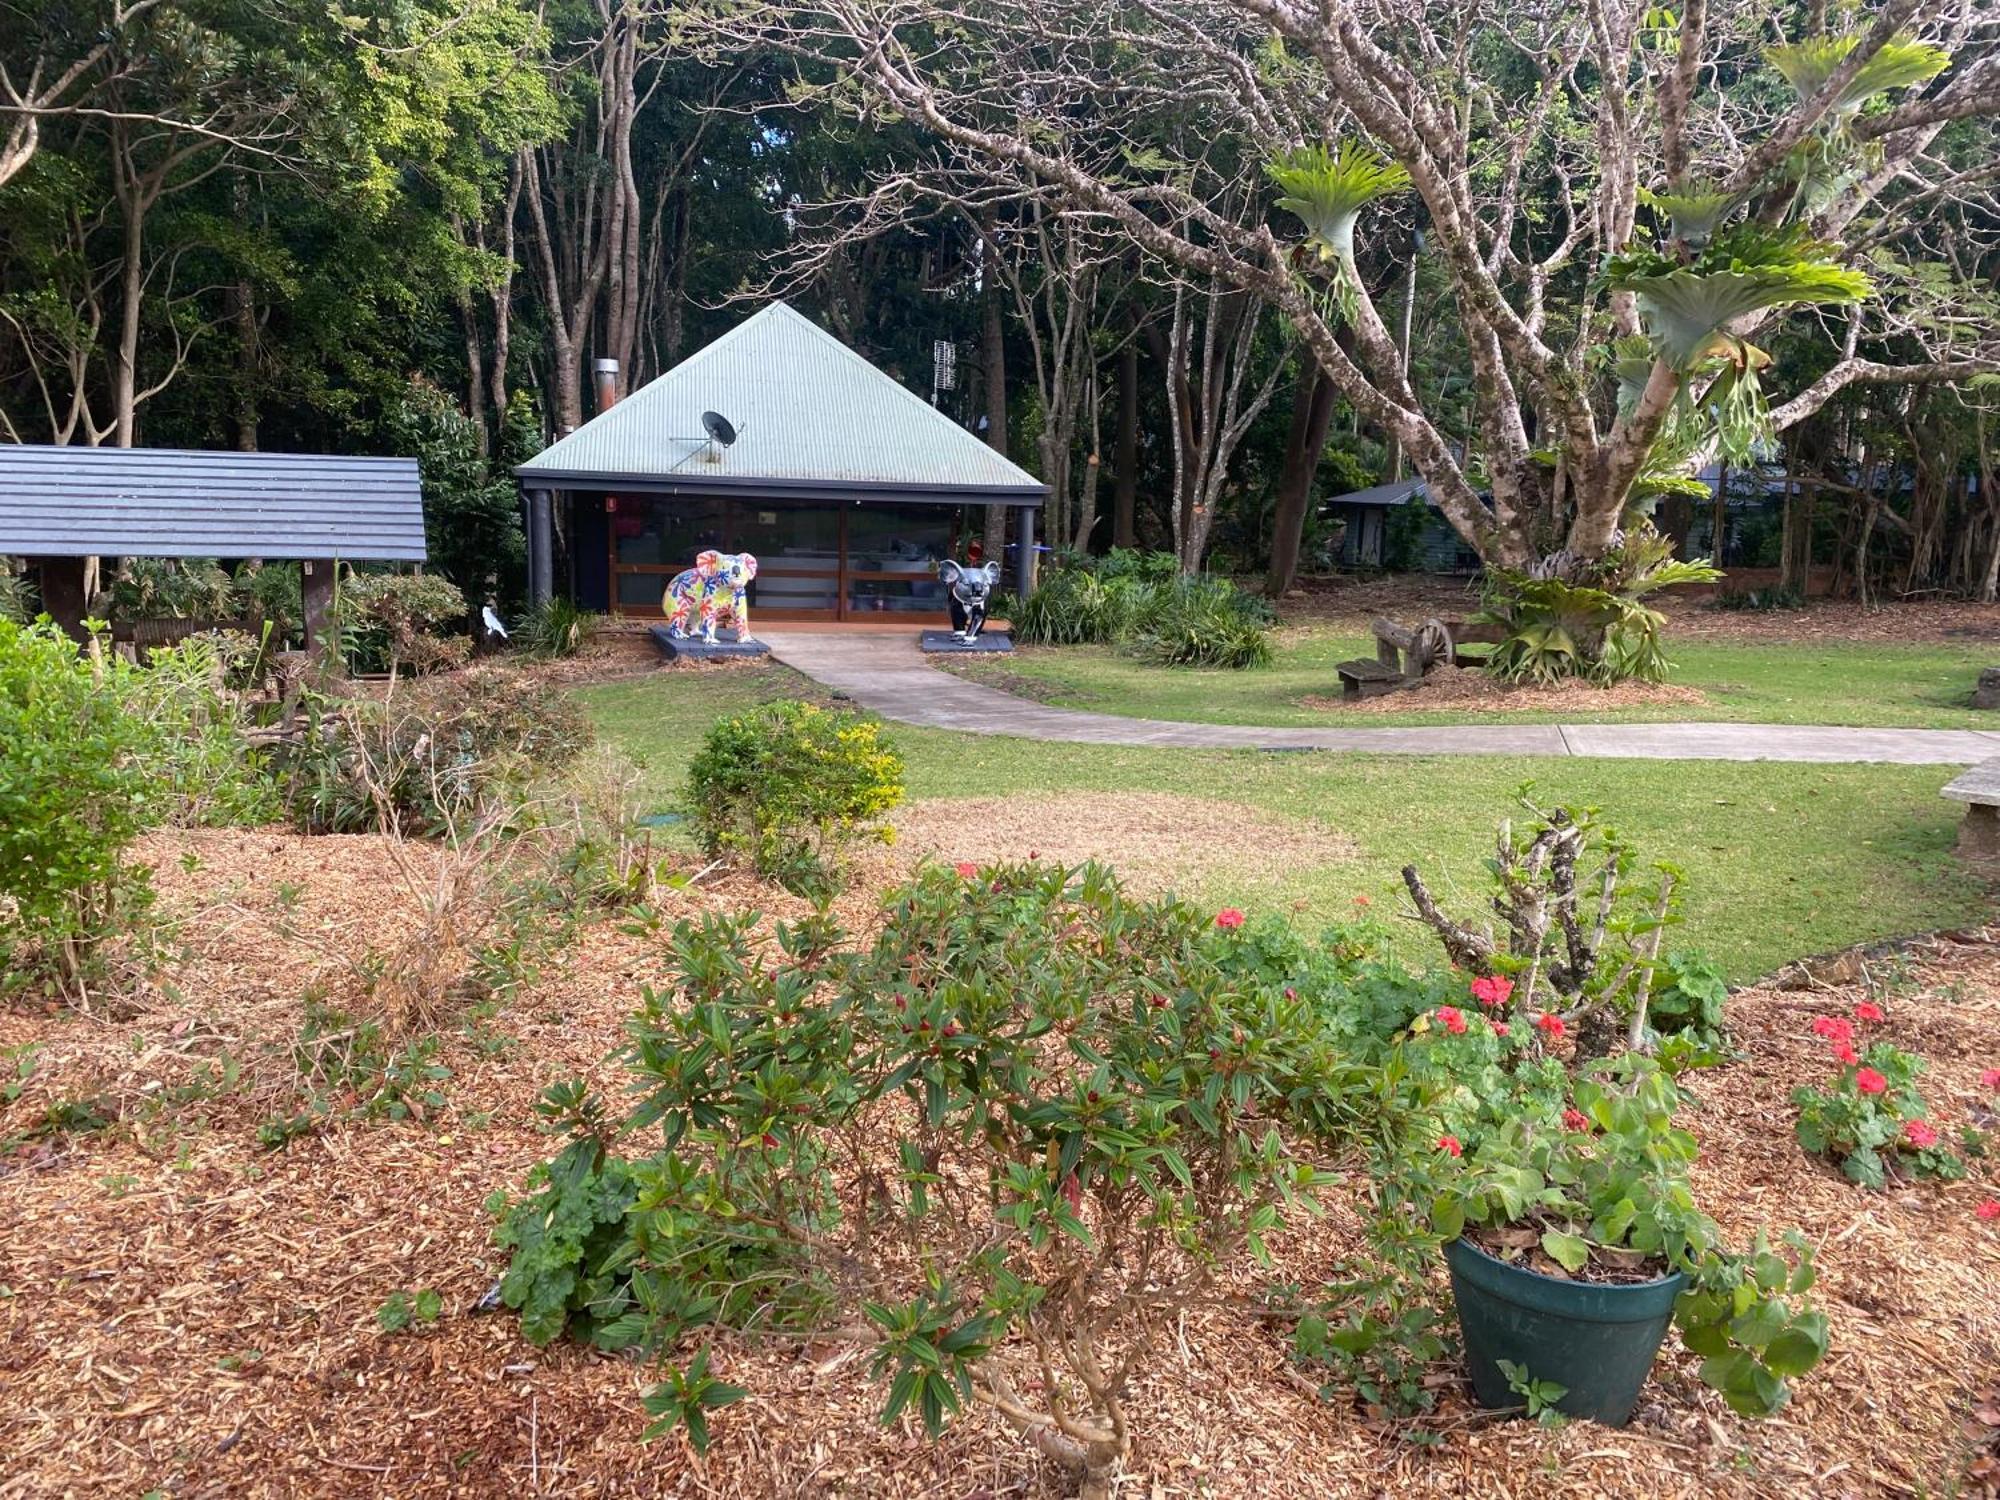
{"points": [[492, 621]]}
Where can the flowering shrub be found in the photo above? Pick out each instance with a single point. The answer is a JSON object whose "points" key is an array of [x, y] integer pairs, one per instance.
{"points": [[1031, 1118], [791, 784], [1870, 1117]]}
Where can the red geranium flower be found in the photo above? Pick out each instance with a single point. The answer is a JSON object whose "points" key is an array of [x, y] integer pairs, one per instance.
{"points": [[1553, 1025], [1844, 1052], [1451, 1018], [967, 869], [1450, 1146], [1990, 1079], [1919, 1134], [1833, 1028], [1229, 918], [1575, 1119], [1869, 1081], [1989, 1208], [1868, 1010], [1499, 1028], [1493, 989], [1364, 901]]}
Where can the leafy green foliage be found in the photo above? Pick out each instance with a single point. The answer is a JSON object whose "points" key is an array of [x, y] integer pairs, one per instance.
{"points": [[1140, 600], [204, 767], [390, 621], [685, 1398], [1602, 1183], [1538, 1397], [403, 1308], [74, 792], [791, 784], [1688, 996], [1872, 1120], [569, 1234], [195, 588], [472, 514], [555, 628], [1081, 1085], [1899, 63], [1380, 1335], [1575, 617]]}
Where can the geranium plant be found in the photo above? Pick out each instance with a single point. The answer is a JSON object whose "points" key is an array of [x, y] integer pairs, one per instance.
{"points": [[1595, 1187], [1870, 1116]]}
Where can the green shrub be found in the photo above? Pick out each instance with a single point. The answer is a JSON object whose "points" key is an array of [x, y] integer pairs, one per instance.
{"points": [[199, 756], [1080, 1090], [1203, 622], [556, 628], [17, 599], [74, 792], [1776, 597], [1139, 599], [390, 621], [155, 588], [791, 785]]}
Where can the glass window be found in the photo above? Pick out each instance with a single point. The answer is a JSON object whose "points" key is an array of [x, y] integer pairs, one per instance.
{"points": [[664, 533], [798, 555], [892, 557]]}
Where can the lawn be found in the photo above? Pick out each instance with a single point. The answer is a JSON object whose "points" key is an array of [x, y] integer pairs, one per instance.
{"points": [[1781, 860], [1878, 686]]}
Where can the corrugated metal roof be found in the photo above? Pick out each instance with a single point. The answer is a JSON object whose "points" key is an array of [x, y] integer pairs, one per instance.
{"points": [[808, 411], [169, 502], [1383, 494]]}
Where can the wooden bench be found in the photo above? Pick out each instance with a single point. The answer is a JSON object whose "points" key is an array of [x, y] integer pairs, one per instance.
{"points": [[1413, 651], [1362, 678], [1979, 790]]}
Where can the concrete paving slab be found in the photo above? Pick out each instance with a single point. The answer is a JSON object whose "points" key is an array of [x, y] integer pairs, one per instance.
{"points": [[887, 675]]}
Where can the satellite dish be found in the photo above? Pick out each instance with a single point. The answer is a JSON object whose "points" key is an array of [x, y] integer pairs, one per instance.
{"points": [[717, 427]]}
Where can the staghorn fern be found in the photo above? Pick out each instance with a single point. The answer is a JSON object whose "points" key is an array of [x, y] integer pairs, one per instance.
{"points": [[1695, 214], [1326, 190], [1686, 310], [1901, 63]]}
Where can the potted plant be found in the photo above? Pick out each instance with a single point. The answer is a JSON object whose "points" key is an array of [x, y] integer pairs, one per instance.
{"points": [[1573, 1238]]}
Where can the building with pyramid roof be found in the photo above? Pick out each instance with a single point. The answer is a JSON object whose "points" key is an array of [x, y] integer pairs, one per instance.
{"points": [[846, 486]]}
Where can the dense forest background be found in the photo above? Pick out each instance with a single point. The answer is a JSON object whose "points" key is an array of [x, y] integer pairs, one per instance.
{"points": [[409, 226]]}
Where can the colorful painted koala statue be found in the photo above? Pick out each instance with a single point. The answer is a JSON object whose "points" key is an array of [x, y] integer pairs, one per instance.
{"points": [[715, 591]]}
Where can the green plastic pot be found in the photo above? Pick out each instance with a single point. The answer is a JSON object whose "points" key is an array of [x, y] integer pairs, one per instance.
{"points": [[1597, 1340]]}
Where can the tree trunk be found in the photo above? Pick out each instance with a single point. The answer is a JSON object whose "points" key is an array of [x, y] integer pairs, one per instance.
{"points": [[1312, 413], [1125, 476], [993, 350]]}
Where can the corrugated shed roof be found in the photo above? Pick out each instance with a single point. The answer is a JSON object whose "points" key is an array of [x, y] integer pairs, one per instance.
{"points": [[809, 413], [1383, 494], [168, 502]]}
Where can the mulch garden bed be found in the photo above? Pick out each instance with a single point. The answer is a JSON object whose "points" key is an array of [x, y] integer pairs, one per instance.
{"points": [[1470, 690], [183, 1311]]}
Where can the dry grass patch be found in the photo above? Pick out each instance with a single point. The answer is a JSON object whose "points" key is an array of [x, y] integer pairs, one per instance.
{"points": [[1154, 839]]}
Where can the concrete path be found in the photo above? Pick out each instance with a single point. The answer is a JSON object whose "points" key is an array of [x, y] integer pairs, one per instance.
{"points": [[886, 673]]}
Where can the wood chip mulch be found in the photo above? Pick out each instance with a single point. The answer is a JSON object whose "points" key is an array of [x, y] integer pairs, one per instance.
{"points": [[1469, 690], [184, 1312]]}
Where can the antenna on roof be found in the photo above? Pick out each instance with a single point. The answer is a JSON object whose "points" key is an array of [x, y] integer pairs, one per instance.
{"points": [[720, 433]]}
